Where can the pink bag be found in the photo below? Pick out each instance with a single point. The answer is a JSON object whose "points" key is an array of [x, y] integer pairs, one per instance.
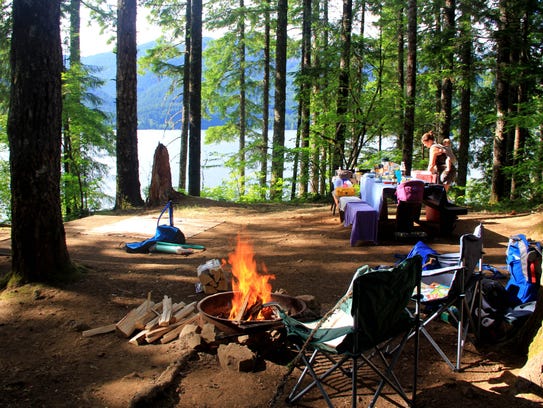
{"points": [[412, 190]]}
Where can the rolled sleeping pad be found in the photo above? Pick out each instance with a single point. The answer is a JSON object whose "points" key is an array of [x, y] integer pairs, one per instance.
{"points": [[191, 246], [171, 249]]}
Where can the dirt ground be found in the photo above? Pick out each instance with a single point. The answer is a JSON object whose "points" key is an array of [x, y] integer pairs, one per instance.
{"points": [[46, 362]]}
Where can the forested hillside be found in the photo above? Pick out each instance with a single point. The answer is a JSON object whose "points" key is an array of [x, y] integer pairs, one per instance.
{"points": [[158, 107]]}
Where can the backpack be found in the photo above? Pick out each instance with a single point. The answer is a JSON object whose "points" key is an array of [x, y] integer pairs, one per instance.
{"points": [[523, 259], [164, 233], [494, 307]]}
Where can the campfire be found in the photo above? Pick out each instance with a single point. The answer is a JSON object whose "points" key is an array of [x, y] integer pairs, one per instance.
{"points": [[251, 289], [242, 308]]}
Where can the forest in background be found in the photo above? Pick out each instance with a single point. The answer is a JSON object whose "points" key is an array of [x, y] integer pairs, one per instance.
{"points": [[359, 75]]}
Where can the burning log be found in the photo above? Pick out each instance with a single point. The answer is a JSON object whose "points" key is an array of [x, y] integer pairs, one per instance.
{"points": [[243, 308], [253, 311]]}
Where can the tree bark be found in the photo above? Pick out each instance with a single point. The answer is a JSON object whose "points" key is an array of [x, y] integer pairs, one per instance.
{"points": [[446, 83], [161, 189], [128, 182], [305, 98], [195, 123], [502, 107], [343, 91], [278, 150], [411, 84], [265, 100], [183, 148], [39, 251], [242, 97]]}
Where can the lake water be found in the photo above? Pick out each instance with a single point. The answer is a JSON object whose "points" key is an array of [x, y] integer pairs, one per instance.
{"points": [[213, 172]]}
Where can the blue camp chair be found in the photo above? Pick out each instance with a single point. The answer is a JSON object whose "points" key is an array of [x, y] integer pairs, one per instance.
{"points": [[369, 326], [453, 290]]}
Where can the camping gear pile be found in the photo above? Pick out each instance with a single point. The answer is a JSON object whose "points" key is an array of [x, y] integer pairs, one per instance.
{"points": [[504, 307], [167, 239]]}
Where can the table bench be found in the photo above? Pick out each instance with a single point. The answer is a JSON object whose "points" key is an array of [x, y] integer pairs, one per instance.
{"points": [[439, 210], [364, 220]]}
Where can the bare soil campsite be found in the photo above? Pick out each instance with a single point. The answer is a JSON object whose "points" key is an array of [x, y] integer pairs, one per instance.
{"points": [[47, 361]]}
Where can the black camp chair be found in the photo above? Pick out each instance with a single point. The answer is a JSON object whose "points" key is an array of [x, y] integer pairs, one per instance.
{"points": [[369, 326], [454, 290]]}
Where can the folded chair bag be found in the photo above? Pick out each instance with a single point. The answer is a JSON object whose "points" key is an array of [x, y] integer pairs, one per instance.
{"points": [[164, 233]]}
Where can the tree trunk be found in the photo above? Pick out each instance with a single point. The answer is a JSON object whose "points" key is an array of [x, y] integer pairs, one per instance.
{"points": [[502, 107], [195, 124], [278, 150], [343, 91], [466, 62], [242, 98], [409, 129], [128, 182], [265, 100], [183, 148], [161, 189], [305, 101], [38, 240], [446, 83], [400, 71]]}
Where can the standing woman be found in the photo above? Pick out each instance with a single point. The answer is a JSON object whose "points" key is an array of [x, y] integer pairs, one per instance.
{"points": [[437, 163]]}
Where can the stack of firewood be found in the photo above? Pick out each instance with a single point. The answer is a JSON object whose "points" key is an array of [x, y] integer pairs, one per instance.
{"points": [[152, 322], [212, 277]]}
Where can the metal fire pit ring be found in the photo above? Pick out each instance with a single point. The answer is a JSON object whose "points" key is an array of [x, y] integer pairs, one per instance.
{"points": [[219, 304]]}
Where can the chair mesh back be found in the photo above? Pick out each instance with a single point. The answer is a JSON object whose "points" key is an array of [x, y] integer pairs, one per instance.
{"points": [[471, 250], [380, 298]]}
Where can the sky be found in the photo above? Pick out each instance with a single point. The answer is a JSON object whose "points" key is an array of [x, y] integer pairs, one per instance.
{"points": [[92, 42]]}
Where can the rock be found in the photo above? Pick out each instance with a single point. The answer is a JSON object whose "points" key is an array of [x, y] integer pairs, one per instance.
{"points": [[235, 357], [209, 333]]}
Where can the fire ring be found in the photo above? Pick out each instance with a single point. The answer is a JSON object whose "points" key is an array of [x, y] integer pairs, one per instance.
{"points": [[214, 306]]}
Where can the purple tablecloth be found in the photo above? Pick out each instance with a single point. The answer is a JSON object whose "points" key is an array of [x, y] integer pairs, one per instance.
{"points": [[364, 220], [375, 194]]}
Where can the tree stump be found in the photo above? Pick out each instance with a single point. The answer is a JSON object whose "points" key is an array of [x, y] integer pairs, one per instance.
{"points": [[161, 189]]}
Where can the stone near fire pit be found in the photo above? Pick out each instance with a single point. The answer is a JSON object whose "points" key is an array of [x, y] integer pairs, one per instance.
{"points": [[209, 333], [191, 336], [235, 357]]}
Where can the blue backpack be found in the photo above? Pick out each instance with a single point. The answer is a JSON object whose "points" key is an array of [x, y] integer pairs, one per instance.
{"points": [[524, 263], [164, 233]]}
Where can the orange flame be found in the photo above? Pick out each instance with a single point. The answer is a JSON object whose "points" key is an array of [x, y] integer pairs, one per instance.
{"points": [[248, 285]]}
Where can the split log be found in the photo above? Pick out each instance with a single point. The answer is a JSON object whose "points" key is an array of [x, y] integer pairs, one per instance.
{"points": [[99, 330], [166, 316], [155, 311], [183, 313], [139, 338], [174, 334], [241, 311], [212, 277], [127, 325]]}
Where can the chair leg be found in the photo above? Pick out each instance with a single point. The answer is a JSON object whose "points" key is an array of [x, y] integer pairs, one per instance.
{"points": [[317, 379], [354, 374]]}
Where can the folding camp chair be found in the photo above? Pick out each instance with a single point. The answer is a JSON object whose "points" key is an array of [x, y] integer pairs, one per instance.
{"points": [[369, 323], [454, 289]]}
